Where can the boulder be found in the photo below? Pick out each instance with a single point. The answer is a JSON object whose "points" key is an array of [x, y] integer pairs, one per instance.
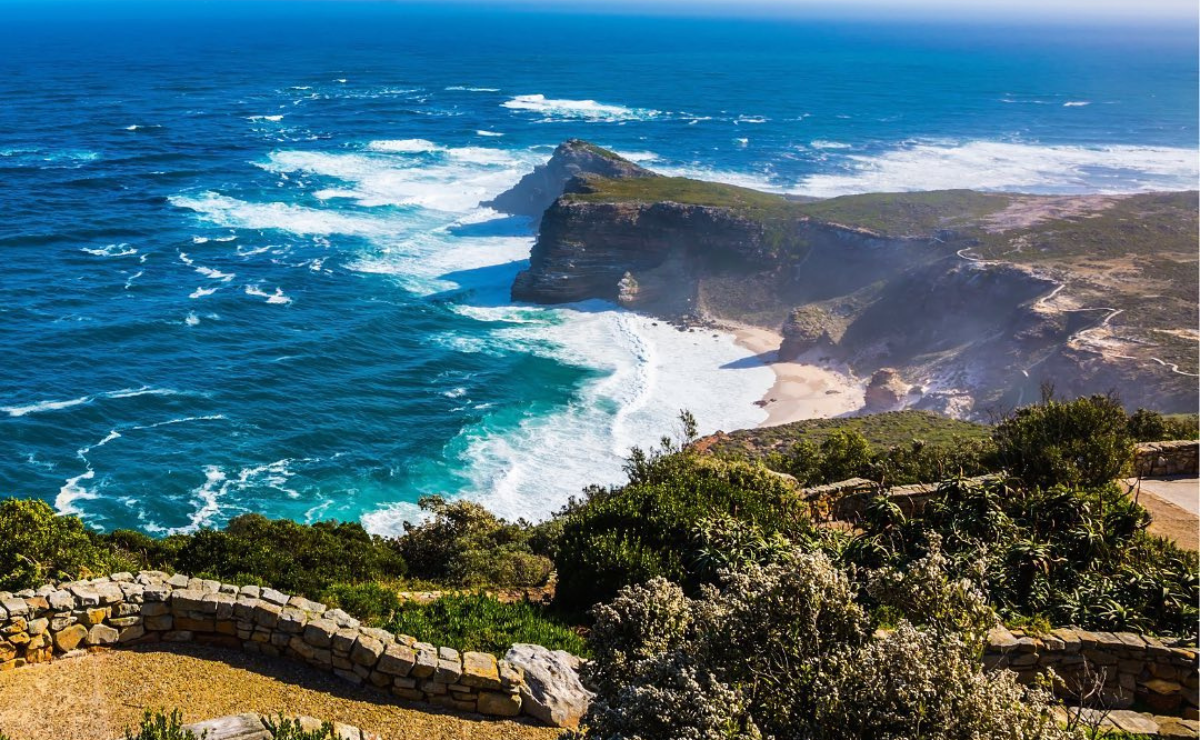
{"points": [[886, 391], [552, 691]]}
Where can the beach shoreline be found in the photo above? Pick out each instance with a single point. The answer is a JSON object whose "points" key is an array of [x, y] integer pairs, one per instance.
{"points": [[805, 389]]}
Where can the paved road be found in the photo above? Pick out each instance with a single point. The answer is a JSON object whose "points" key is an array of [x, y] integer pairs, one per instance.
{"points": [[1183, 491]]}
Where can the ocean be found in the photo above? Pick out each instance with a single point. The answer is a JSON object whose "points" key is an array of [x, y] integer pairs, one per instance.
{"points": [[245, 268]]}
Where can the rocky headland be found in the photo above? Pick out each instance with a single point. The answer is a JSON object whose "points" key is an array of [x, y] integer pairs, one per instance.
{"points": [[956, 301]]}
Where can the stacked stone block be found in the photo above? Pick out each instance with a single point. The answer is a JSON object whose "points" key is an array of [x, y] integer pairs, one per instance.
{"points": [[1161, 459], [66, 620], [1132, 668]]}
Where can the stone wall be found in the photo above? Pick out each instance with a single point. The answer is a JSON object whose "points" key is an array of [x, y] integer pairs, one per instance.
{"points": [[1158, 459], [1134, 668], [67, 620]]}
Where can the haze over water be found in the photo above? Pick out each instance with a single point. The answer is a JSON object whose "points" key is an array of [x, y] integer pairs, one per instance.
{"points": [[245, 268]]}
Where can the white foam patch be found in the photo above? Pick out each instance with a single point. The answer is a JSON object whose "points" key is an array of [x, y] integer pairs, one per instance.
{"points": [[112, 250], [272, 118], [276, 298], [217, 486], [201, 292], [481, 132], [45, 406], [575, 110], [827, 144], [986, 165], [464, 88]]}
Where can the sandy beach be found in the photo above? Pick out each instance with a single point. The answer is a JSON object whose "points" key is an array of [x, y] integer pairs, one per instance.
{"points": [[802, 390]]}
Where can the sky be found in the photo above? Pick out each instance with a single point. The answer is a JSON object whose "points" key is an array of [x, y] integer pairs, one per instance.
{"points": [[1083, 12]]}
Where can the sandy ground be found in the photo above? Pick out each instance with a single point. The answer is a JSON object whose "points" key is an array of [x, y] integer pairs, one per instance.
{"points": [[1174, 504], [802, 390], [98, 696]]}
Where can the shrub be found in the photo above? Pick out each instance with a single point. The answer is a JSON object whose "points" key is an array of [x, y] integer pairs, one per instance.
{"points": [[648, 528], [1085, 442], [847, 454], [303, 559], [159, 726], [36, 545], [1066, 555], [1151, 426], [463, 544], [786, 651], [484, 624], [369, 602], [284, 728]]}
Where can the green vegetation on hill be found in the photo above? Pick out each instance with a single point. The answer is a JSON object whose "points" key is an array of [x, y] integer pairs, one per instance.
{"points": [[891, 429], [909, 214]]}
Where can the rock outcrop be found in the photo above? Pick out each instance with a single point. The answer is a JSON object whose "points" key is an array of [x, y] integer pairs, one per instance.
{"points": [[552, 691], [886, 391], [540, 188]]}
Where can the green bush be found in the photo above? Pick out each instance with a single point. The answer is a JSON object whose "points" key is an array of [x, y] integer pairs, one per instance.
{"points": [[285, 728], [484, 624], [648, 528], [159, 726], [1085, 442], [297, 558], [1070, 556], [463, 544], [36, 545], [847, 454], [1151, 426], [369, 602]]}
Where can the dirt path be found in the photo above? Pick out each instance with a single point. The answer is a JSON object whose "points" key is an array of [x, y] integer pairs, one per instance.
{"points": [[96, 697]]}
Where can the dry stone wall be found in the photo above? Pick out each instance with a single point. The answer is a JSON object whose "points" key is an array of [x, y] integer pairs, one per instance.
{"points": [[1155, 459], [1131, 668], [67, 620]]}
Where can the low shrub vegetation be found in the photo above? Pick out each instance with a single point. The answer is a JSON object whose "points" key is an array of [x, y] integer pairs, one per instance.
{"points": [[483, 623]]}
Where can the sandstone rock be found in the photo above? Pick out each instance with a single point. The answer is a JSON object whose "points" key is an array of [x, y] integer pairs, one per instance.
{"points": [[397, 660], [68, 639], [552, 691], [886, 391], [499, 705], [367, 651], [102, 635], [480, 670]]}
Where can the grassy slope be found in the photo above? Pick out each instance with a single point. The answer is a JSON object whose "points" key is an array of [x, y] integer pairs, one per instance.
{"points": [[886, 430]]}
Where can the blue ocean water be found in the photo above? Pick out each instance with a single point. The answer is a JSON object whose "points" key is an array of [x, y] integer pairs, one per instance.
{"points": [[244, 267]]}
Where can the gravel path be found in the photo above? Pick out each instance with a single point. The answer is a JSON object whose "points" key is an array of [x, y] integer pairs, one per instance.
{"points": [[96, 697]]}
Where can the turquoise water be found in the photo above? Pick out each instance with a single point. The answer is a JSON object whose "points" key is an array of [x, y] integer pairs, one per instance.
{"points": [[245, 269]]}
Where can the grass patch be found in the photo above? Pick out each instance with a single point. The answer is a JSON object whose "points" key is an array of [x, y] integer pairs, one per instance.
{"points": [[907, 214], [891, 429], [483, 624]]}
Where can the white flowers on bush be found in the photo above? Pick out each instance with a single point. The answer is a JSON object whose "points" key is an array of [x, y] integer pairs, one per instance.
{"points": [[786, 651]]}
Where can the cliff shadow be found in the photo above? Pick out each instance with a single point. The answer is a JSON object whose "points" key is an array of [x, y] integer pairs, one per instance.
{"points": [[502, 226]]}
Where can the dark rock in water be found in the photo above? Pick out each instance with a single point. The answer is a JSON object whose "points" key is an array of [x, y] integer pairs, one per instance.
{"points": [[574, 157]]}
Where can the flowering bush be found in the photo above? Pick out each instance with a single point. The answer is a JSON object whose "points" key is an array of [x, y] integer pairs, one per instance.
{"points": [[785, 650]]}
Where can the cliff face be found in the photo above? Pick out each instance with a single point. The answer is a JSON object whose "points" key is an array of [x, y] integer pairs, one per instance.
{"points": [[646, 255], [969, 300], [538, 190]]}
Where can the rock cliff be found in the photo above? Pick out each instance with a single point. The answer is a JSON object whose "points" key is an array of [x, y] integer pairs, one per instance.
{"points": [[974, 299], [540, 188]]}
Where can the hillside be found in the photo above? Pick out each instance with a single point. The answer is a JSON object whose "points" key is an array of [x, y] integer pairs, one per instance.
{"points": [[976, 299]]}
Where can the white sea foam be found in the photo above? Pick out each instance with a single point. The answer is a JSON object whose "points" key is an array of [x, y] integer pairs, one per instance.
{"points": [[827, 144], [212, 274], [988, 165], [201, 292], [272, 118], [192, 319], [73, 490], [463, 88], [129, 280], [405, 146], [218, 485], [112, 250], [1076, 103], [481, 132], [277, 298], [44, 406], [639, 157], [587, 110]]}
